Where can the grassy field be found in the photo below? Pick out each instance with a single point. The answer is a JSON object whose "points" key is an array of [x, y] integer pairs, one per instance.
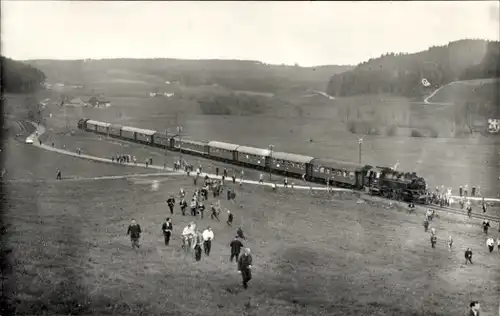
{"points": [[314, 255], [313, 125]]}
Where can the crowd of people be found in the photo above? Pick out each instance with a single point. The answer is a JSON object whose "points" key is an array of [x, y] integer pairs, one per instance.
{"points": [[197, 242], [490, 242]]}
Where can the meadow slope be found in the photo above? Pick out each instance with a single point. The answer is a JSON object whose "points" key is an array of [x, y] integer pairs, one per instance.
{"points": [[314, 255]]}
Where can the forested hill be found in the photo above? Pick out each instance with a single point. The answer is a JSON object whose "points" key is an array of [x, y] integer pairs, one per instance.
{"points": [[401, 74], [17, 77], [232, 74]]}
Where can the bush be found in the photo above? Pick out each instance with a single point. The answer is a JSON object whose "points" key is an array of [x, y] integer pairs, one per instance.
{"points": [[392, 130], [433, 132], [416, 133], [363, 127]]}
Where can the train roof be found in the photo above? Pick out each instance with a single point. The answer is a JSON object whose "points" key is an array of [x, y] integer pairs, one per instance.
{"points": [[291, 157], [222, 145], [336, 164], [98, 123], [253, 151], [196, 142], [138, 130]]}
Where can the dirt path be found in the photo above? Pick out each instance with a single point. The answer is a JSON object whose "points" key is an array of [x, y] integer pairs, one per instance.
{"points": [[40, 129], [171, 171]]}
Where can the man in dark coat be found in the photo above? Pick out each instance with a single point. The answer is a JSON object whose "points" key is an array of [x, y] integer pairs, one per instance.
{"points": [[167, 230], [245, 267], [486, 225], [473, 309], [134, 230], [214, 212], [229, 218], [58, 176], [171, 203], [198, 248], [183, 205], [468, 256], [236, 246], [240, 233]]}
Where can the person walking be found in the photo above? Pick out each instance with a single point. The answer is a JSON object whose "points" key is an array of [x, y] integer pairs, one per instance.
{"points": [[240, 233], [245, 267], [433, 240], [486, 225], [183, 205], [134, 230], [229, 218], [171, 204], [214, 212], [468, 256], [490, 242], [167, 230], [235, 246], [198, 245], [208, 236]]}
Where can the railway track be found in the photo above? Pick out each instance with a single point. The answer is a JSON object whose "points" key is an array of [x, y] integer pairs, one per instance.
{"points": [[434, 207], [464, 213], [429, 206]]}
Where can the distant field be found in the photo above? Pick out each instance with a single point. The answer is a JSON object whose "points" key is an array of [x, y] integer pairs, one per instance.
{"points": [[313, 130], [313, 255]]}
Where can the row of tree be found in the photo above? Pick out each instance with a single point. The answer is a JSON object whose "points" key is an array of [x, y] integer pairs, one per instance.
{"points": [[232, 74], [232, 104], [18, 77], [402, 74]]}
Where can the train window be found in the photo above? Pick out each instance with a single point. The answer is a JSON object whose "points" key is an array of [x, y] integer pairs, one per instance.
{"points": [[345, 174], [377, 175], [321, 169], [327, 170], [351, 174]]}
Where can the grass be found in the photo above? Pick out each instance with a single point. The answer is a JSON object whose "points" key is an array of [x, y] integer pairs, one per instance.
{"points": [[314, 255], [316, 132]]}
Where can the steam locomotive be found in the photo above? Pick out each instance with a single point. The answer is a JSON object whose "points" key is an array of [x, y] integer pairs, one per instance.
{"points": [[382, 181]]}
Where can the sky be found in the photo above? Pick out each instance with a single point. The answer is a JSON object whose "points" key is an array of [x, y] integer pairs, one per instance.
{"points": [[307, 33]]}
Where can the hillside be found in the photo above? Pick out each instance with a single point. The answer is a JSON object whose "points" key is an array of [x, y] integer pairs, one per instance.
{"points": [[231, 74], [401, 74], [483, 91], [17, 77]]}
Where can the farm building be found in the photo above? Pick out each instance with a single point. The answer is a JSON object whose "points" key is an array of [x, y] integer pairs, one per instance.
{"points": [[75, 102], [99, 102]]}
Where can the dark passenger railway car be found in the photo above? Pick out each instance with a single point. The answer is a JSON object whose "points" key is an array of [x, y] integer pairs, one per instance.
{"points": [[223, 151], [289, 164], [336, 173]]}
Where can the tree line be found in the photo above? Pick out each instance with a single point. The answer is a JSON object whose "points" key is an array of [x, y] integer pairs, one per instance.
{"points": [[18, 77], [402, 74], [233, 104], [232, 74]]}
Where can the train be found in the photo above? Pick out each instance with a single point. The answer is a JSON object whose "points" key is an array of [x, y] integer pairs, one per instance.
{"points": [[382, 181]]}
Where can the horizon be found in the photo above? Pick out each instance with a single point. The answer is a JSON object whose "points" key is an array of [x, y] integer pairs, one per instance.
{"points": [[239, 60], [264, 32]]}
